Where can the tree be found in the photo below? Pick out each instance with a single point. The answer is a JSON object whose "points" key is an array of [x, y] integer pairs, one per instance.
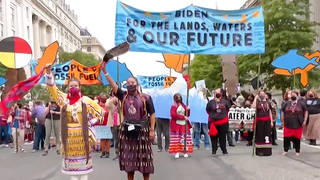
{"points": [[40, 92], [3, 70], [286, 27], [87, 60], [207, 67]]}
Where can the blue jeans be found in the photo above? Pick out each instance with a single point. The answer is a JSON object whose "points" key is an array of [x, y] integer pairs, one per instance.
{"points": [[40, 136], [197, 129], [4, 131]]}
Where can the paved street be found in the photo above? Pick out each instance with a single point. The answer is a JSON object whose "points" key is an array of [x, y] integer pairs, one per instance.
{"points": [[239, 164]]}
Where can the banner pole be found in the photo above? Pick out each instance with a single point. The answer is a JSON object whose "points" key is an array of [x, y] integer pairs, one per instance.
{"points": [[119, 109], [187, 103], [255, 120], [294, 81], [16, 128]]}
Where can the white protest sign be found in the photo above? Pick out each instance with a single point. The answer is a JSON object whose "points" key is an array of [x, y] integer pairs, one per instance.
{"points": [[200, 84], [242, 114]]}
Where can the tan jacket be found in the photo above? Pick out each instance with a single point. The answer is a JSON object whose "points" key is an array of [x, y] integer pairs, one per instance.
{"points": [[112, 108]]}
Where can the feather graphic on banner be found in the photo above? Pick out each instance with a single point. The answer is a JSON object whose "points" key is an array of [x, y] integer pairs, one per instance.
{"points": [[175, 61], [18, 91], [48, 57]]}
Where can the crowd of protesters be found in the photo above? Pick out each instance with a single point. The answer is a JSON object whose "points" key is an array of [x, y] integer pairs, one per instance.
{"points": [[40, 124]]}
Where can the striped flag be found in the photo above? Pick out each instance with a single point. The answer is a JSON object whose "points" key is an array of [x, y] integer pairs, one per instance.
{"points": [[18, 91]]}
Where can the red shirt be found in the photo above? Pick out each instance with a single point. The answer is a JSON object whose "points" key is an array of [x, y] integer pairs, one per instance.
{"points": [[3, 120], [105, 121]]}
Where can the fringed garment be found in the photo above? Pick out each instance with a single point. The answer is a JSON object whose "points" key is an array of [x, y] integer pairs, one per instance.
{"points": [[76, 158], [178, 130], [135, 153], [263, 143]]}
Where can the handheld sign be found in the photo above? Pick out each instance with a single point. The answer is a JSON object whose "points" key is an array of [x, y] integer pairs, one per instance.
{"points": [[241, 115]]}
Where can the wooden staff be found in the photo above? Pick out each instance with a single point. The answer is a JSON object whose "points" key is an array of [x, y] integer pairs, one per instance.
{"points": [[187, 103], [255, 120]]}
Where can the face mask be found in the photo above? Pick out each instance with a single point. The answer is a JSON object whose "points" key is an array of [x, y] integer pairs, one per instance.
{"points": [[131, 88], [311, 95], [262, 97], [293, 98], [234, 99], [218, 96], [74, 92]]}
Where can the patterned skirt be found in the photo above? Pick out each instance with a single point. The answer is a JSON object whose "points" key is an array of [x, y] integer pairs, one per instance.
{"points": [[177, 141], [263, 138], [74, 161], [135, 154]]}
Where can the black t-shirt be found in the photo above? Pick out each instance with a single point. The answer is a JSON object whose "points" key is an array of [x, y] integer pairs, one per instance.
{"points": [[218, 110], [263, 108], [313, 105], [56, 108], [294, 114]]}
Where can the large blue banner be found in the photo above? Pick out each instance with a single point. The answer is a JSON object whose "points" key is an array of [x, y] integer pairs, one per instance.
{"points": [[191, 30]]}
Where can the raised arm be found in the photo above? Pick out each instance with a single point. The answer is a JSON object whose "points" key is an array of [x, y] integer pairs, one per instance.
{"points": [[112, 83], [56, 94]]}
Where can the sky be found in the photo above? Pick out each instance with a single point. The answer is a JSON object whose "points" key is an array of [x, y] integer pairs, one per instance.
{"points": [[98, 16]]}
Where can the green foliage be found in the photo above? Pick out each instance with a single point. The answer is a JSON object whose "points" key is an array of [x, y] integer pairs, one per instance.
{"points": [[3, 70], [40, 92], [87, 60], [286, 27], [207, 67], [81, 57]]}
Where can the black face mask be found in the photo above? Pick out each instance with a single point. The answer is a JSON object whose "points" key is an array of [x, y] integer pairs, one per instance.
{"points": [[262, 97], [218, 96], [234, 99], [131, 88], [311, 96], [293, 98]]}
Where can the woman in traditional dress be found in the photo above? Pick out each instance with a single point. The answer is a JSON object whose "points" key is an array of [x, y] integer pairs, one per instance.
{"points": [[75, 133], [313, 127], [137, 130], [295, 117], [179, 117], [217, 109], [264, 123]]}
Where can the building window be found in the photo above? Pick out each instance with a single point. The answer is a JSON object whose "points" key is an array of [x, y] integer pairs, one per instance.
{"points": [[28, 32], [27, 12], [1, 30], [89, 49], [1, 11], [13, 15], [89, 40]]}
